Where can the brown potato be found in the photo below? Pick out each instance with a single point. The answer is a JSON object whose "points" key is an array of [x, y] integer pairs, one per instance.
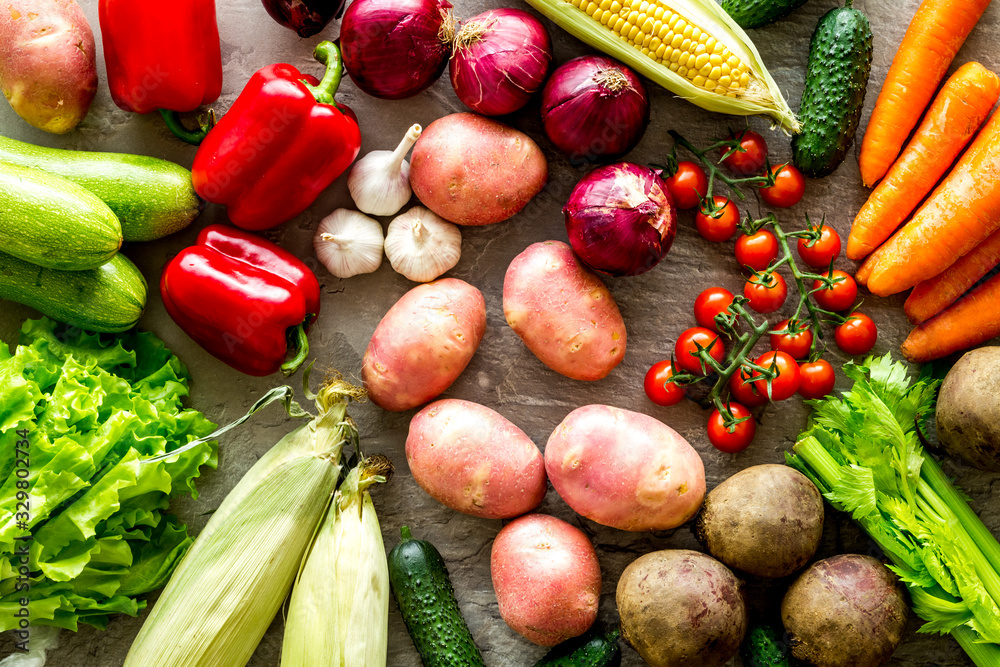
{"points": [[968, 409], [48, 71], [681, 608], [766, 520]]}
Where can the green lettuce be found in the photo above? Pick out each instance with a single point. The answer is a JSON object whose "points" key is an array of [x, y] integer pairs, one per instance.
{"points": [[81, 414]]}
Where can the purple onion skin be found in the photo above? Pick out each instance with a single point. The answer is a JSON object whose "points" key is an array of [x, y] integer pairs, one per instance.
{"points": [[394, 49], [621, 219], [306, 17], [498, 73], [588, 120]]}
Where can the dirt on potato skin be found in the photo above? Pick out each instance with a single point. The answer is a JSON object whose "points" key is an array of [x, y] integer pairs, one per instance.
{"points": [[968, 409]]}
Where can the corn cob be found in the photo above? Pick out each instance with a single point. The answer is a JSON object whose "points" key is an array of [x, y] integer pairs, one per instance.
{"points": [[690, 47]]}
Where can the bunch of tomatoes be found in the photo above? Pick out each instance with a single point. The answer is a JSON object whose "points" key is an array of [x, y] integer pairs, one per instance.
{"points": [[793, 365]]}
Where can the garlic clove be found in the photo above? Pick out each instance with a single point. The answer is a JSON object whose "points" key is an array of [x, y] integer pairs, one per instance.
{"points": [[348, 243], [421, 245], [380, 181]]}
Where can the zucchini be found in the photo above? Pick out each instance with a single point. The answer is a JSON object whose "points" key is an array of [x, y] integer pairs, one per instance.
{"points": [[840, 60], [151, 197], [763, 646], [109, 298], [594, 649], [759, 13], [426, 600], [55, 223]]}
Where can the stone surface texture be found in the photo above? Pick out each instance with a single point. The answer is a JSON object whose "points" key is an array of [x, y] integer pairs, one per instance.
{"points": [[504, 374]]}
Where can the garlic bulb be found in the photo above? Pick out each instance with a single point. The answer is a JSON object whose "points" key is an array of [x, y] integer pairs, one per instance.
{"points": [[421, 245], [380, 181], [349, 243]]}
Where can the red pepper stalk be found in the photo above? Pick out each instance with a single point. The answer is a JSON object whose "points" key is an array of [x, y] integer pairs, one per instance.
{"points": [[165, 59], [242, 298], [280, 145]]}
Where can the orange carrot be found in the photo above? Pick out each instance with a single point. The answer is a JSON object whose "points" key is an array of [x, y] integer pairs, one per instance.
{"points": [[961, 212], [932, 296], [958, 110], [935, 35], [864, 271], [974, 319]]}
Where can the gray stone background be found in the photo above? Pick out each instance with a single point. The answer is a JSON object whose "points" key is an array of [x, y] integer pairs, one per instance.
{"points": [[504, 374]]}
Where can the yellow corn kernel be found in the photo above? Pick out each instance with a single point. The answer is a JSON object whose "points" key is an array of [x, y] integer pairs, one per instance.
{"points": [[699, 81], [616, 7], [706, 70], [724, 81], [619, 24], [744, 80], [660, 51], [591, 8], [675, 55], [643, 6], [605, 4], [632, 33], [700, 61], [608, 15], [688, 30], [715, 74], [733, 61], [685, 44], [683, 71], [633, 17], [674, 67], [711, 44], [715, 59], [696, 33], [680, 25], [658, 12], [646, 40], [699, 49], [672, 22], [647, 26], [654, 44], [676, 41]]}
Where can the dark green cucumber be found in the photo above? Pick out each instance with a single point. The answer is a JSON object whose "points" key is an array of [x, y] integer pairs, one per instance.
{"points": [[757, 13], [109, 298], [426, 600], [763, 647], [151, 197], [840, 60], [53, 222], [593, 649]]}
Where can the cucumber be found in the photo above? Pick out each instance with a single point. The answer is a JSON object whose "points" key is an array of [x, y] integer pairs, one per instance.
{"points": [[151, 197], [758, 13], [426, 600], [763, 647], [53, 222], [108, 299], [591, 650], [840, 60]]}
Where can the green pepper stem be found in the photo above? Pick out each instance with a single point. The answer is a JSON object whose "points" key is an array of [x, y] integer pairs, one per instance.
{"points": [[176, 127], [298, 341], [327, 53]]}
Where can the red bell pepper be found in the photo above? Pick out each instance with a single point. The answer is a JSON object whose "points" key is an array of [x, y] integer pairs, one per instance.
{"points": [[162, 57], [279, 146], [242, 298]]}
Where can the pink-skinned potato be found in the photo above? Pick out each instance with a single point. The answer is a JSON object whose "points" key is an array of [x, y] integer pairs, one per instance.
{"points": [[474, 171], [563, 312], [423, 344], [474, 460], [624, 469], [48, 71], [546, 577]]}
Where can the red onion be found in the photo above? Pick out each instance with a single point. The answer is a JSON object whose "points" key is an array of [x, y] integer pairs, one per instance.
{"points": [[501, 59], [594, 107], [621, 219], [395, 48]]}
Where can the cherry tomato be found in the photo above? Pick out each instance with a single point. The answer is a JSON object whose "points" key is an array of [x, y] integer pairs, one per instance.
{"points": [[751, 159], [766, 294], [786, 383], [686, 356], [688, 185], [857, 335], [756, 250], [839, 296], [818, 378], [658, 389], [788, 188], [797, 345], [721, 225], [745, 393], [741, 435], [818, 253], [710, 303]]}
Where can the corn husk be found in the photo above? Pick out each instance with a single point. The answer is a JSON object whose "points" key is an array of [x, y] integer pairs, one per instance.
{"points": [[231, 583], [339, 610]]}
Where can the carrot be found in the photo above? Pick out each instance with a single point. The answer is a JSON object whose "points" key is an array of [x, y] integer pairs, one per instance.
{"points": [[935, 35], [932, 296], [961, 212], [972, 320], [864, 271], [958, 110]]}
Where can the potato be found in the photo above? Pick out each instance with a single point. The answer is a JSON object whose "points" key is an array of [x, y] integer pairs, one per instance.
{"points": [[473, 170], [845, 611], [681, 608], [474, 460], [546, 577], [968, 409], [423, 344], [47, 62], [624, 469], [766, 520], [563, 312]]}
